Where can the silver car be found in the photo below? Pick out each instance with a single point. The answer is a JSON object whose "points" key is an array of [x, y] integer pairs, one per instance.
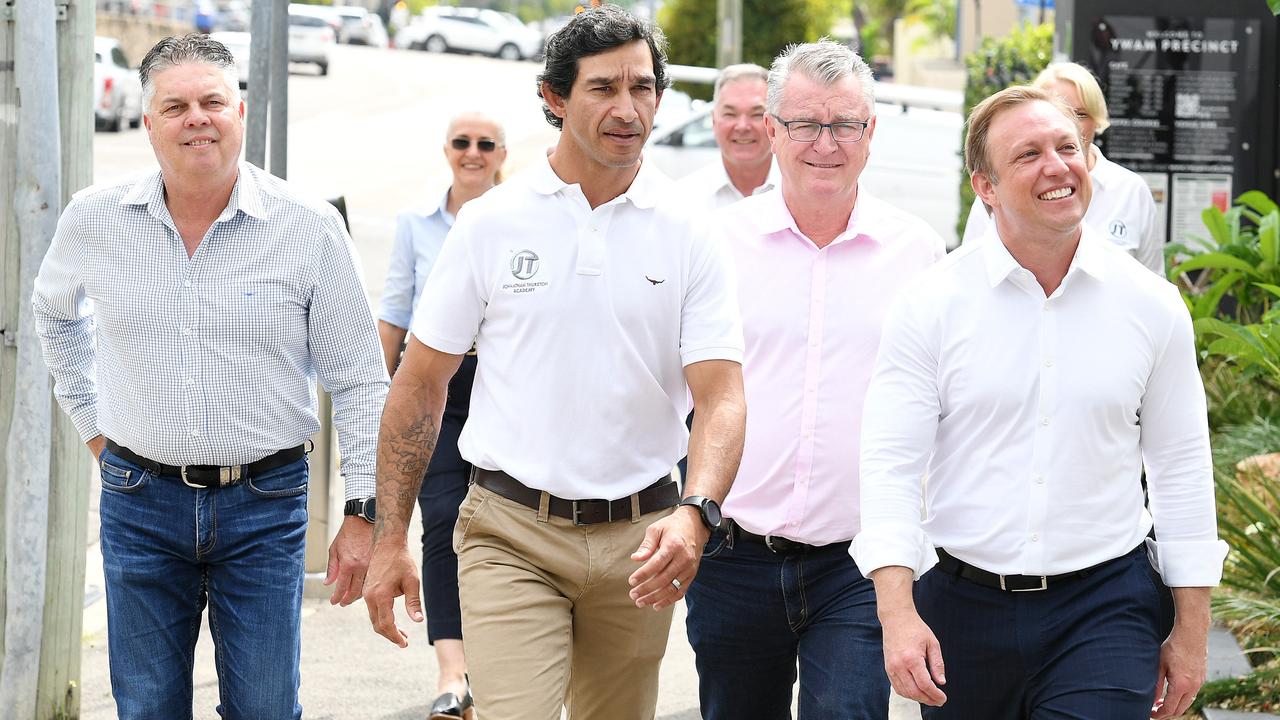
{"points": [[310, 38]]}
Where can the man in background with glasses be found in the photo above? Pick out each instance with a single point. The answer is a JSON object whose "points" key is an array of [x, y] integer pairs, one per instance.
{"points": [[818, 260]]}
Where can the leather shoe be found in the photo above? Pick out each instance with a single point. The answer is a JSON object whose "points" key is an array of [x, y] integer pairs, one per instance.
{"points": [[451, 707]]}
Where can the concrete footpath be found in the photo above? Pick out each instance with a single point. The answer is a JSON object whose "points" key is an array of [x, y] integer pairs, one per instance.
{"points": [[347, 670]]}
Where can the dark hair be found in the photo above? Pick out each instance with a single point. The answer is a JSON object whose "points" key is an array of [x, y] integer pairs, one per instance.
{"points": [[592, 32], [180, 49]]}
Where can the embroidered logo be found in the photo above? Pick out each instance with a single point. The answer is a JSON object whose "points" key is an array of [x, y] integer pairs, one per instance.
{"points": [[524, 264], [1118, 229], [655, 282]]}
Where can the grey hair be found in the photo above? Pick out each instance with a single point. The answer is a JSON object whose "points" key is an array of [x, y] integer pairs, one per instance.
{"points": [[476, 115], [181, 49], [741, 71], [824, 61]]}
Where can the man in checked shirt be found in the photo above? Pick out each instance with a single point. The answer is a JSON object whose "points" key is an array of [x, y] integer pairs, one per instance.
{"points": [[185, 316]]}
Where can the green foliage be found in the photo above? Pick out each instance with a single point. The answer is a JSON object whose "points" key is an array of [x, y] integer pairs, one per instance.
{"points": [[768, 27], [1000, 62], [938, 16], [1235, 400], [1257, 692], [1227, 275]]}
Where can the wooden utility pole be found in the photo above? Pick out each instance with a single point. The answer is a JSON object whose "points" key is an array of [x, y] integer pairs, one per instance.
{"points": [[44, 156], [729, 32]]}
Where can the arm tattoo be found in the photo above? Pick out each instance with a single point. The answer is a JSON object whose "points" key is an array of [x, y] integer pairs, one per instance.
{"points": [[403, 456]]}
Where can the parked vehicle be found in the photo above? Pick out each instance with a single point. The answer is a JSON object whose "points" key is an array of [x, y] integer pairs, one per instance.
{"points": [[310, 38], [357, 25], [238, 44], [117, 91], [444, 29]]}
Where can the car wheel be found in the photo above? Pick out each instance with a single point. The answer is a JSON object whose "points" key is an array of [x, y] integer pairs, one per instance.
{"points": [[509, 52], [115, 123], [324, 68], [436, 44]]}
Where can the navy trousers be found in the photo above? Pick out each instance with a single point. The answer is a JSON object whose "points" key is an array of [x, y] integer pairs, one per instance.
{"points": [[1087, 649], [754, 616]]}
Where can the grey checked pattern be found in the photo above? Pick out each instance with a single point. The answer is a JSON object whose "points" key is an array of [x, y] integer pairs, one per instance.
{"points": [[211, 359]]}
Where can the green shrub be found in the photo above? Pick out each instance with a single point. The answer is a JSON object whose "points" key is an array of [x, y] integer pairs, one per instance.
{"points": [[1228, 275], [1015, 59], [768, 27]]}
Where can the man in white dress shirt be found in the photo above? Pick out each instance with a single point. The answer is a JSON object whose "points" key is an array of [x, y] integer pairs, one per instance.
{"points": [[746, 164], [1032, 376]]}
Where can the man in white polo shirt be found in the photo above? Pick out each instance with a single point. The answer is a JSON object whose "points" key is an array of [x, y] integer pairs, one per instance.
{"points": [[746, 164], [594, 311]]}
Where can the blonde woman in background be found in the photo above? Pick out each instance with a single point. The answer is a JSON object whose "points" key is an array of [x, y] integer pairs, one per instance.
{"points": [[1122, 209], [475, 149]]}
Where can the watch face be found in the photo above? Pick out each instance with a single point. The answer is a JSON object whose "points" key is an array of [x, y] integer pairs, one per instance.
{"points": [[371, 509], [711, 512]]}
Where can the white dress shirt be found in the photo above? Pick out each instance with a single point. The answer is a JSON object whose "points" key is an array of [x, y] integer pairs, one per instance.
{"points": [[583, 321], [1033, 418], [211, 359], [708, 189], [420, 235], [1122, 211]]}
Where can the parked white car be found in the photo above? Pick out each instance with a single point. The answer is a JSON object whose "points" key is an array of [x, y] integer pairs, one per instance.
{"points": [[310, 38], [239, 45], [443, 29], [360, 27], [117, 91]]}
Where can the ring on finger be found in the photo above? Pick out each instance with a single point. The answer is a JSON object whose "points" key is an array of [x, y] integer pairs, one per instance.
{"points": [[675, 583]]}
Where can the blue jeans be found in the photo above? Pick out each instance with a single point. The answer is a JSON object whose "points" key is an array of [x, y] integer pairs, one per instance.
{"points": [[753, 614], [1082, 650], [169, 550]]}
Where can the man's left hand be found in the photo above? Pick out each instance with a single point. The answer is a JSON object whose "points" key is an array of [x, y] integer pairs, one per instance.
{"points": [[1183, 666], [671, 550], [349, 560]]}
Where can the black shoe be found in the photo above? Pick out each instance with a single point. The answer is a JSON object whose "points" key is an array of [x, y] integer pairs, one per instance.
{"points": [[451, 707]]}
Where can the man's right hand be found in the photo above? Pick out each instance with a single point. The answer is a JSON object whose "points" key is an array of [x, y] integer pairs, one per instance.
{"points": [[96, 443], [913, 658], [392, 573]]}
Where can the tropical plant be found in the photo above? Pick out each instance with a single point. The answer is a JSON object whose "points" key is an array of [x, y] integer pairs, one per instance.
{"points": [[1229, 274], [1254, 348], [1000, 62]]}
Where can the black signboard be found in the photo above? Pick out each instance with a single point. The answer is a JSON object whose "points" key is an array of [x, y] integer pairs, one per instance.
{"points": [[1191, 90]]}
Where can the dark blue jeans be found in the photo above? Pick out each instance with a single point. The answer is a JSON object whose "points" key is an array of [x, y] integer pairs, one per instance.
{"points": [[169, 550], [1084, 650], [753, 615]]}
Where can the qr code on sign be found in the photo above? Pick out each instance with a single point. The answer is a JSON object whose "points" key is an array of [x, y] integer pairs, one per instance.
{"points": [[1186, 105]]}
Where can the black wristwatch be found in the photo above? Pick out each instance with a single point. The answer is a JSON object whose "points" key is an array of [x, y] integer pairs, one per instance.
{"points": [[366, 508], [709, 510]]}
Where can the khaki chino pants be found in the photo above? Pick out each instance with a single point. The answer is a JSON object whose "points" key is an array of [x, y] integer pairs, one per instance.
{"points": [[546, 615]]}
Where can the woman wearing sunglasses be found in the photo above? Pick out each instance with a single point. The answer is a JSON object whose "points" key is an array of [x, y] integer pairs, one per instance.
{"points": [[474, 147]]}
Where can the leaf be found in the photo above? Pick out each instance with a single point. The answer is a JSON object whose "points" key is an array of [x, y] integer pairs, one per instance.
{"points": [[1217, 261], [1217, 224], [1258, 201], [1269, 238], [1206, 304]]}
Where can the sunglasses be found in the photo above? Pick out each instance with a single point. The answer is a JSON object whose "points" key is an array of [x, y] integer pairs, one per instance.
{"points": [[461, 143]]}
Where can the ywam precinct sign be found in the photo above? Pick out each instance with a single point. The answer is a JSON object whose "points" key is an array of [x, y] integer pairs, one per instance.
{"points": [[1191, 90]]}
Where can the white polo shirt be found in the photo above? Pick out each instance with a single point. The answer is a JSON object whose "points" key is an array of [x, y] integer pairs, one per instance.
{"points": [[1122, 211], [708, 189], [583, 321]]}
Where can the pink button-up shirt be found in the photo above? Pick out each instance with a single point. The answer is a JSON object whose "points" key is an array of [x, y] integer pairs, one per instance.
{"points": [[812, 320]]}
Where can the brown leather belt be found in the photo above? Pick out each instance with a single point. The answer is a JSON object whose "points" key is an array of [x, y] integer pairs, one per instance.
{"points": [[659, 496]]}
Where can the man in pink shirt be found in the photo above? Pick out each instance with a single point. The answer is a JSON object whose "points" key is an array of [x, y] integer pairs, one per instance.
{"points": [[818, 261]]}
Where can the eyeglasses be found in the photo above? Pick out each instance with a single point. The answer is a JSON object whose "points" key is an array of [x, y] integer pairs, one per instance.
{"points": [[461, 143], [808, 131]]}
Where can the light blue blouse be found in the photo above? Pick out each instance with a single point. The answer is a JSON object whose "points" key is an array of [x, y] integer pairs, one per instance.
{"points": [[420, 235]]}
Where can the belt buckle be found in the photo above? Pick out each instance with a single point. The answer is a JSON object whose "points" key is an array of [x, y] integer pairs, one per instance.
{"points": [[768, 542], [226, 476], [577, 512], [1044, 585], [189, 483]]}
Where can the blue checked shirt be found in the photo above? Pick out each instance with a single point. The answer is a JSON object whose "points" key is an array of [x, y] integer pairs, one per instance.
{"points": [[211, 359]]}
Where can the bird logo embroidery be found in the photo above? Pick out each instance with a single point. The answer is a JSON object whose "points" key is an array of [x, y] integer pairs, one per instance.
{"points": [[655, 282]]}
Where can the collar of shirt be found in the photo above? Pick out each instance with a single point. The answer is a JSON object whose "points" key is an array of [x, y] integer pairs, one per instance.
{"points": [[772, 216], [246, 196], [643, 192], [719, 179], [1001, 264]]}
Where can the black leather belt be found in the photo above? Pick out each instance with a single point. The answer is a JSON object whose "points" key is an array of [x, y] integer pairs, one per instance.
{"points": [[659, 496], [1015, 583], [211, 476], [779, 545]]}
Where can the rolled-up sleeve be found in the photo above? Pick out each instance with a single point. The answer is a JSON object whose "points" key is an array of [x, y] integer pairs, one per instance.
{"points": [[347, 356], [899, 425], [64, 321], [1175, 448], [396, 307]]}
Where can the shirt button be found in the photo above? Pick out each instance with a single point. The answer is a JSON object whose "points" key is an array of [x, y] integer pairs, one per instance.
{"points": [[186, 283], [1044, 421], [195, 433], [1048, 362], [1040, 479], [1035, 538], [186, 331], [190, 381]]}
